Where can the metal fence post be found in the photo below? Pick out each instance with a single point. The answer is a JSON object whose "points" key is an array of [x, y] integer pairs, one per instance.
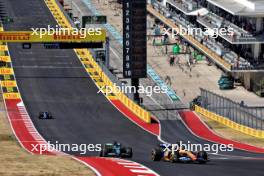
{"points": [[262, 118]]}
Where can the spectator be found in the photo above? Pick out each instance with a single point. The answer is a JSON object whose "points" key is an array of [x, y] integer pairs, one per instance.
{"points": [[172, 60], [184, 92], [238, 62], [168, 80]]}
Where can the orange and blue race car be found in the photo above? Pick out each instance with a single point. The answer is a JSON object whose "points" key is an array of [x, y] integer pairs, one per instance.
{"points": [[166, 152]]}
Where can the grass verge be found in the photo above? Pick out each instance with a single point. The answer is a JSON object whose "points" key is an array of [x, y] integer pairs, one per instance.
{"points": [[229, 133]]}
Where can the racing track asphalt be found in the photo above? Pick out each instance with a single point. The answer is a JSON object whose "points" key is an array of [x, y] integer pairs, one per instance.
{"points": [[54, 80]]}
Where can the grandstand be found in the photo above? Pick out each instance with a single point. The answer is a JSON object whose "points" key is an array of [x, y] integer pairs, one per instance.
{"points": [[243, 49]]}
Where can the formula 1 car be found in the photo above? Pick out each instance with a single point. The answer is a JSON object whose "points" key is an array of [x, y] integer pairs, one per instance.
{"points": [[45, 115], [180, 155], [116, 150]]}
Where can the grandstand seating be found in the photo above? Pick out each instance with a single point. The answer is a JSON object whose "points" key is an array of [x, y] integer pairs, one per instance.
{"points": [[214, 21]]}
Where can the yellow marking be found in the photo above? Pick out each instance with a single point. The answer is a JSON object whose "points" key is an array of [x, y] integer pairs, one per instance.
{"points": [[90, 70], [112, 97], [85, 59], [3, 48], [87, 62], [100, 84], [88, 66], [82, 54], [5, 58], [30, 36], [93, 76], [8, 84], [10, 96], [6, 71]]}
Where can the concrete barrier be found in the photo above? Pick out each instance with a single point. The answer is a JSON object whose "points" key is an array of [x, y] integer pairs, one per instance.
{"points": [[229, 123]]}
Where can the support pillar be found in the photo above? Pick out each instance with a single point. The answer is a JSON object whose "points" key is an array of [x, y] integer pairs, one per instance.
{"points": [[256, 50], [164, 2]]}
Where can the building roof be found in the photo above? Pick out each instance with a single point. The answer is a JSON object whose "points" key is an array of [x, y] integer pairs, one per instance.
{"points": [[194, 12], [252, 8]]}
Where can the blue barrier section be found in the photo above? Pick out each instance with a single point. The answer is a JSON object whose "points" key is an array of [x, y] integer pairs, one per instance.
{"points": [[154, 76]]}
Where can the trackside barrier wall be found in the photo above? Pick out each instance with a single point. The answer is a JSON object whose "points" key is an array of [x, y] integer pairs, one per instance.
{"points": [[250, 116], [136, 109], [20, 122], [8, 82], [229, 123], [63, 22], [190, 39]]}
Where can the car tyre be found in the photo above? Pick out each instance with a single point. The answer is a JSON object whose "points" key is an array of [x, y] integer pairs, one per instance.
{"points": [[129, 152], [156, 155], [203, 155], [103, 153]]}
